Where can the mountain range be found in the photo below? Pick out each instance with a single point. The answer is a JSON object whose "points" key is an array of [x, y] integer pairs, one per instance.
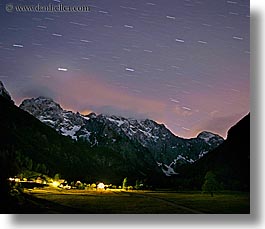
{"points": [[120, 134]]}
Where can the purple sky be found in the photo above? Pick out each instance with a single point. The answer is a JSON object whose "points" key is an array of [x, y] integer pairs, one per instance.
{"points": [[184, 63]]}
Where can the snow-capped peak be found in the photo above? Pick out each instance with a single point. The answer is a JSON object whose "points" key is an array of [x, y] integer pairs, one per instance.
{"points": [[210, 138], [41, 105], [49, 112]]}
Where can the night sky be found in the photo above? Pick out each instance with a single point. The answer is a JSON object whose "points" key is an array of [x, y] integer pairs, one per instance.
{"points": [[184, 63]]}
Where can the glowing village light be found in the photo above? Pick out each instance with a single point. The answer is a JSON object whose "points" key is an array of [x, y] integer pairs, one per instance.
{"points": [[55, 183], [101, 186]]}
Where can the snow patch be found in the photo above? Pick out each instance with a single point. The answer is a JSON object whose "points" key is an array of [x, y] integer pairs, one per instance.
{"points": [[48, 120], [180, 157], [70, 132], [167, 169], [119, 122], [86, 135], [202, 153], [206, 136], [169, 172]]}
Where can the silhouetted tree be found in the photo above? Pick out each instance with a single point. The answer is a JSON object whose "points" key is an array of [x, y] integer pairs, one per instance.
{"points": [[137, 184], [57, 177], [125, 183], [210, 184]]}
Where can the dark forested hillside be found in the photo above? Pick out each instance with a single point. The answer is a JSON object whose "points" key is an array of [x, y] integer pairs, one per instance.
{"points": [[230, 161]]}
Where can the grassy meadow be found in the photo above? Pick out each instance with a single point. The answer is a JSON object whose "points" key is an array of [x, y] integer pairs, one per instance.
{"points": [[48, 200]]}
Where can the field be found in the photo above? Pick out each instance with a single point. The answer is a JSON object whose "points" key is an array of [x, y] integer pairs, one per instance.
{"points": [[50, 200]]}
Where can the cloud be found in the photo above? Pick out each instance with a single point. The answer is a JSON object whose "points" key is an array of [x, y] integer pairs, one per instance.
{"points": [[33, 90], [113, 110], [90, 93]]}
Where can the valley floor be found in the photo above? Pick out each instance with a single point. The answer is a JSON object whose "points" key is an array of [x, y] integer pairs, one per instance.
{"points": [[132, 202]]}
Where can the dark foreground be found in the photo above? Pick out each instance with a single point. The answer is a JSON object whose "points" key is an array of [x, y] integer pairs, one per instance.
{"points": [[130, 202]]}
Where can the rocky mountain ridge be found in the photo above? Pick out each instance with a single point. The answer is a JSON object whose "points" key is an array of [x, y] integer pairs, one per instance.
{"points": [[4, 92]]}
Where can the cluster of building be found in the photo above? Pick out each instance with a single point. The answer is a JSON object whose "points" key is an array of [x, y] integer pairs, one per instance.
{"points": [[39, 181]]}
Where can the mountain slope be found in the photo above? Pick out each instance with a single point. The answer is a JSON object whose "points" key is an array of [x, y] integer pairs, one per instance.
{"points": [[23, 134], [4, 93], [47, 111]]}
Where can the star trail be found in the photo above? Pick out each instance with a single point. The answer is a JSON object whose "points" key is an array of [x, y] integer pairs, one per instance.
{"points": [[184, 63]]}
